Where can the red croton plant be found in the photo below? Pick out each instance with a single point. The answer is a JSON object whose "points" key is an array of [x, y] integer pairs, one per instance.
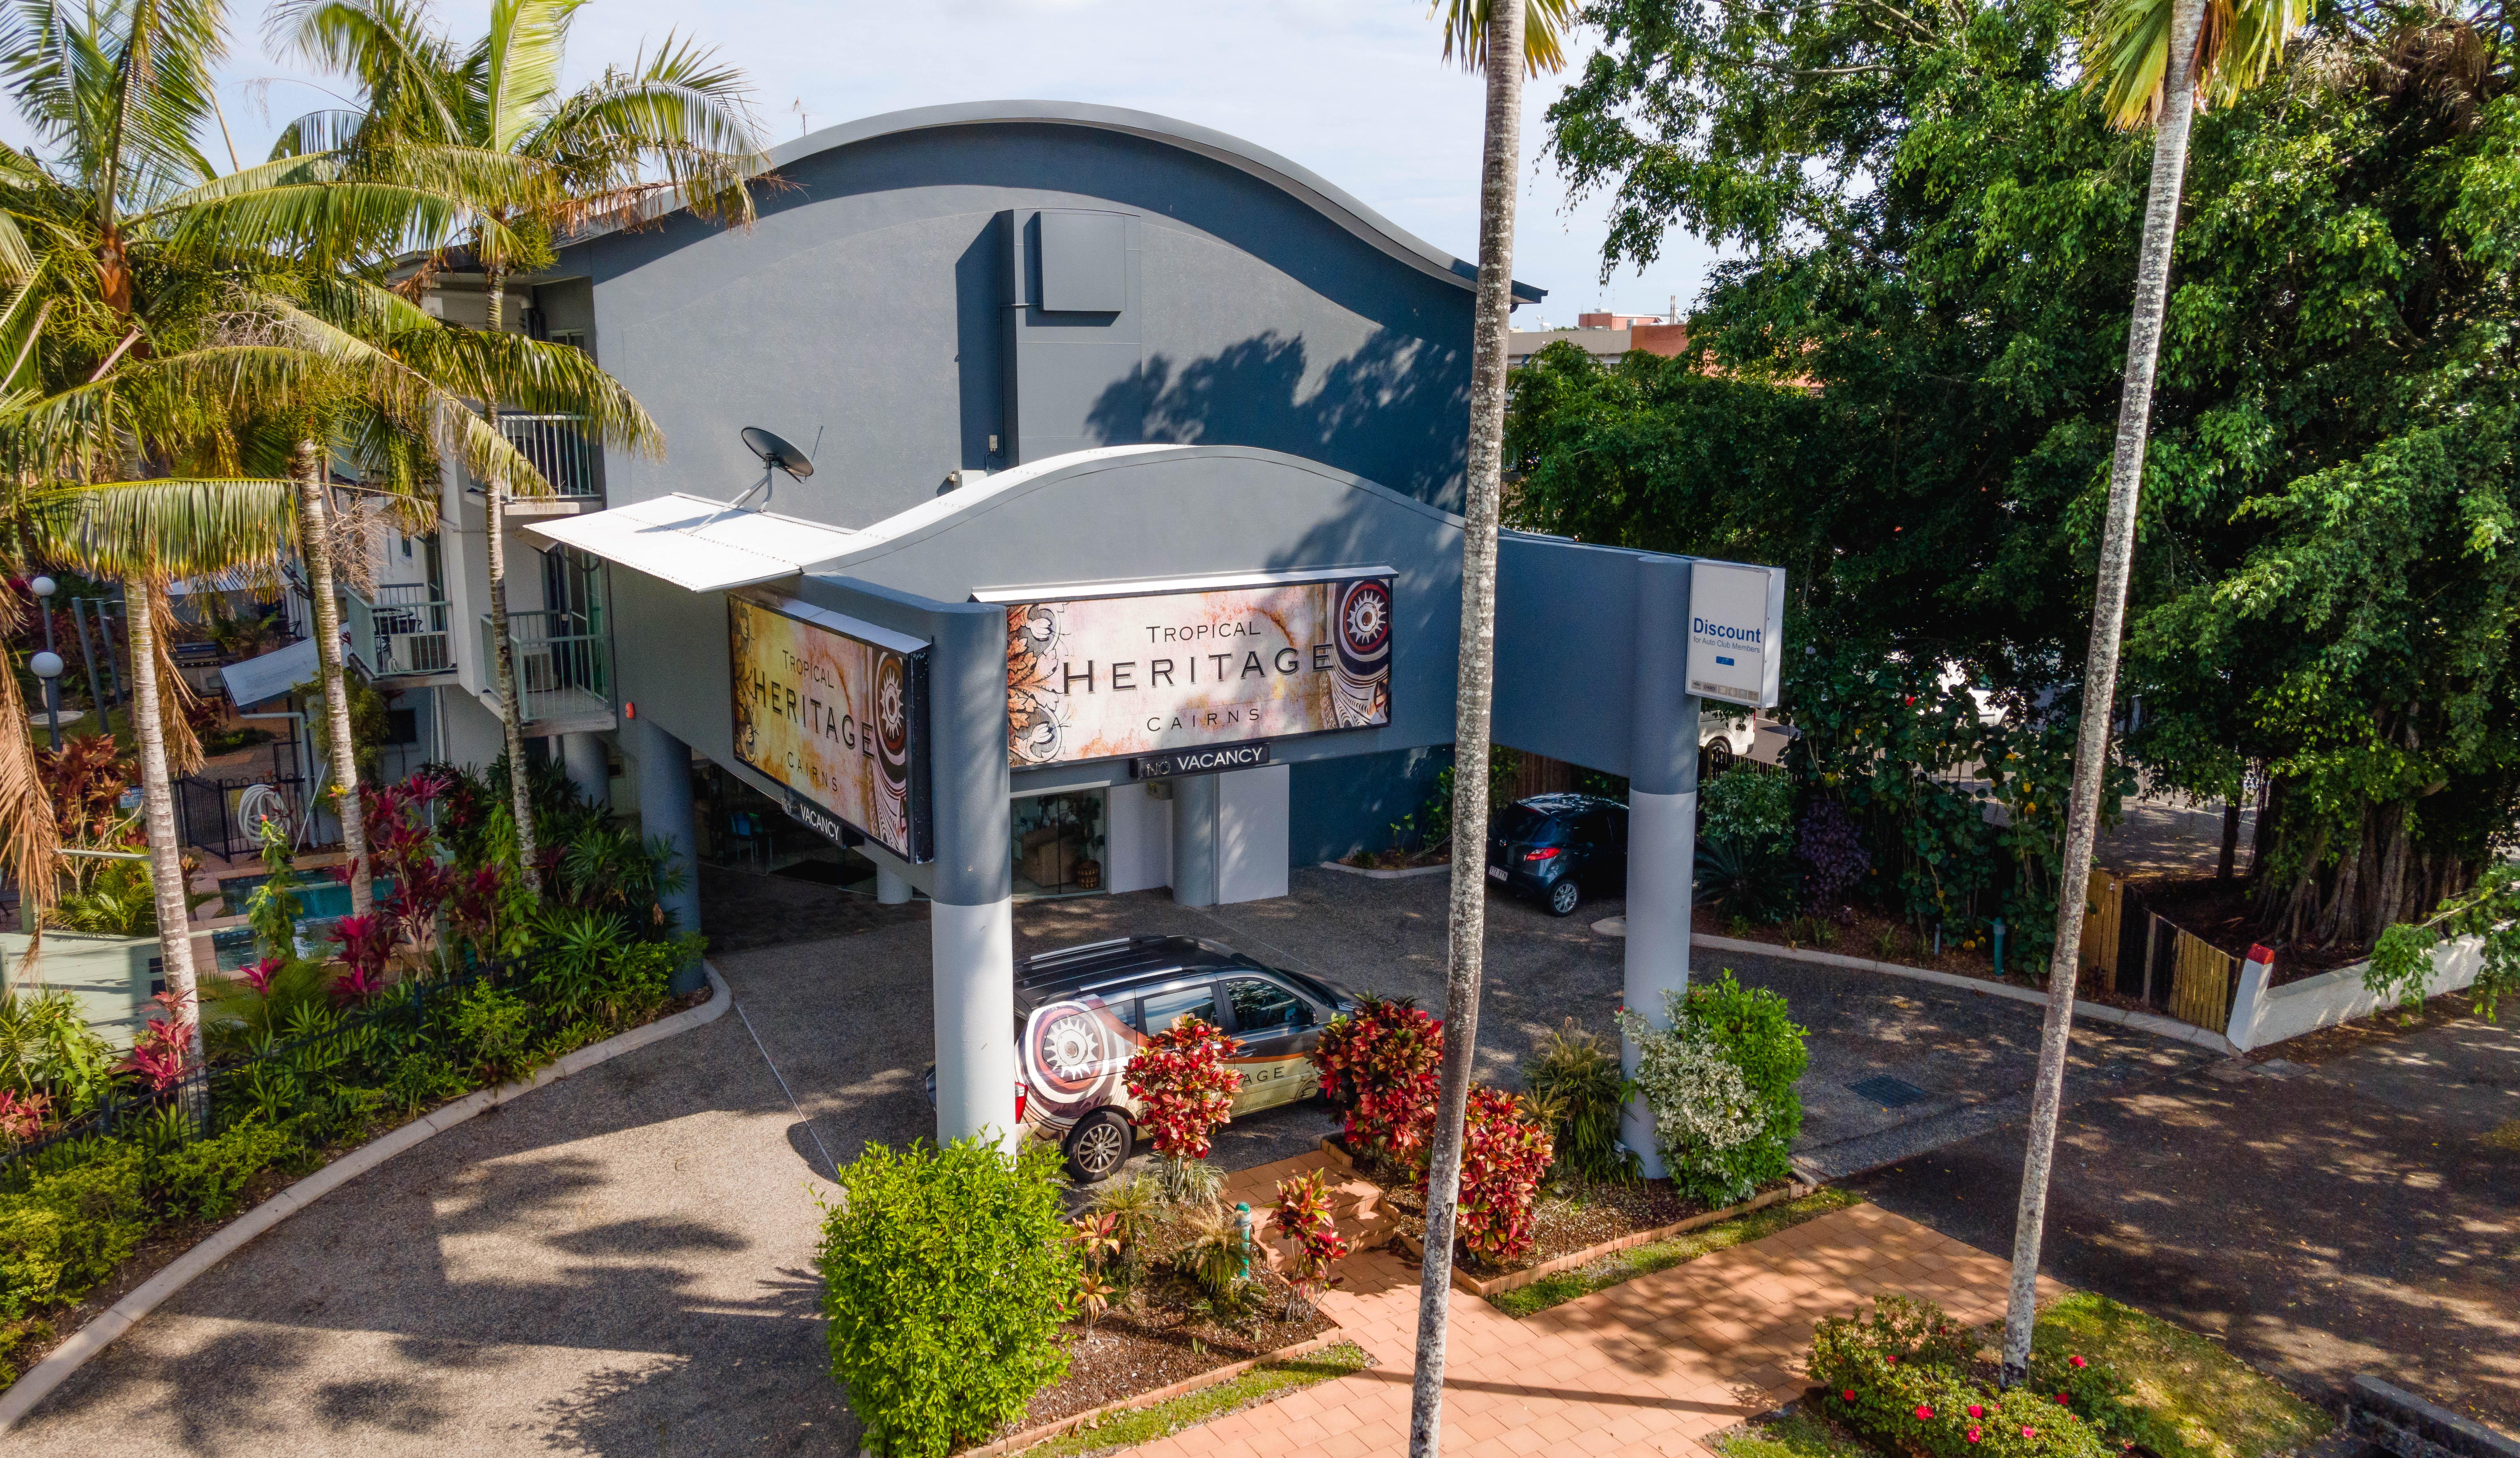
{"points": [[1381, 1060], [1182, 1078], [1504, 1153], [1303, 1215]]}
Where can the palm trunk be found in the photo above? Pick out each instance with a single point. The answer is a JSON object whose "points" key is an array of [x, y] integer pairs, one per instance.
{"points": [[315, 539], [2230, 838], [158, 813], [510, 711], [1494, 307], [2100, 670]]}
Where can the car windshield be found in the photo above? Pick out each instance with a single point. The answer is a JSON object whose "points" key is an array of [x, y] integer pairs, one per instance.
{"points": [[1525, 824]]}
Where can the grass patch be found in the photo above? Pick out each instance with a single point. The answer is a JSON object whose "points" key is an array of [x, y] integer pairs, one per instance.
{"points": [[1661, 1255], [1793, 1436], [1262, 1383], [2504, 1135], [2204, 1402]]}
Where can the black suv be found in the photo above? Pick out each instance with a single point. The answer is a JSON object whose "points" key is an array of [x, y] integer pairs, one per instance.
{"points": [[1082, 1011], [1560, 849]]}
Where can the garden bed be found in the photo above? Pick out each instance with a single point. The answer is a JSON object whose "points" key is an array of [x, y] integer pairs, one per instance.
{"points": [[1567, 1231]]}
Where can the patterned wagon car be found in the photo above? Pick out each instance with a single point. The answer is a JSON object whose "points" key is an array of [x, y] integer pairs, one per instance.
{"points": [[1083, 1010]]}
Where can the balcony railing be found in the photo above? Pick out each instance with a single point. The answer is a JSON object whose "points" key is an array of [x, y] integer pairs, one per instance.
{"points": [[402, 630], [557, 447], [564, 664]]}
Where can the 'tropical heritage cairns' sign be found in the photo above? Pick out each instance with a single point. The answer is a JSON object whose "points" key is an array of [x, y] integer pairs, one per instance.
{"points": [[837, 711], [1737, 632], [1091, 677]]}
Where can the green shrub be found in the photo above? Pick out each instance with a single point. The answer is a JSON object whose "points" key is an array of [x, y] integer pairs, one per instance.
{"points": [[497, 1029], [1720, 1082], [201, 1180], [1899, 1376], [946, 1274], [15, 1337], [1751, 809], [1574, 1080], [69, 1230]]}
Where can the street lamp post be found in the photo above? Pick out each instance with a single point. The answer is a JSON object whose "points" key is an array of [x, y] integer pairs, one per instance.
{"points": [[48, 664]]}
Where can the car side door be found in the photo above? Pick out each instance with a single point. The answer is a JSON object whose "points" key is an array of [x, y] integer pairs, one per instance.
{"points": [[1277, 1028]]}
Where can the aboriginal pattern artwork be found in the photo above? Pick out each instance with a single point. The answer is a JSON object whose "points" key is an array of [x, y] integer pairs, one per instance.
{"points": [[829, 716], [1094, 678]]}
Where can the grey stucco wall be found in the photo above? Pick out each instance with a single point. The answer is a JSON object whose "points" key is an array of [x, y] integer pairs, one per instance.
{"points": [[1339, 806], [859, 317]]}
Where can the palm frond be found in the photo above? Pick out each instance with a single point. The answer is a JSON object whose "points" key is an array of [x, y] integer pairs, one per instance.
{"points": [[161, 529], [1545, 25], [175, 696], [2128, 49], [314, 133], [527, 41], [681, 111], [389, 46], [29, 836]]}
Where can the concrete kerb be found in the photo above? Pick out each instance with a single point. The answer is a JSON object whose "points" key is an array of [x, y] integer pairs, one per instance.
{"points": [[101, 1331], [2098, 1012], [1375, 874]]}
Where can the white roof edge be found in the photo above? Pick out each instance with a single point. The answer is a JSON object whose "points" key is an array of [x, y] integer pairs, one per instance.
{"points": [[698, 544]]}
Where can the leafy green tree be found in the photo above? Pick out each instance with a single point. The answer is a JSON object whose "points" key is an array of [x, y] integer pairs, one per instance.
{"points": [[673, 129]]}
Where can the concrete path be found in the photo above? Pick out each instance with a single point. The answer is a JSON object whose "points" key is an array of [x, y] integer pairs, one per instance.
{"points": [[2360, 1216], [1642, 1370]]}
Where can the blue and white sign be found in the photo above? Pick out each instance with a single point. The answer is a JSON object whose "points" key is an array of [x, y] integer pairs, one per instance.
{"points": [[1737, 630]]}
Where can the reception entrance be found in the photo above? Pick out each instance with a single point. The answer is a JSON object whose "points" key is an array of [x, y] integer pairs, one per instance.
{"points": [[1059, 843]]}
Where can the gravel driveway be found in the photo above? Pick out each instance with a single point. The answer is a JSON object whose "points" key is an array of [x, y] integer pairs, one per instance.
{"points": [[623, 1263]]}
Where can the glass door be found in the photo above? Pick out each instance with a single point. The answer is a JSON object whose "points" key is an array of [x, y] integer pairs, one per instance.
{"points": [[1059, 843]]}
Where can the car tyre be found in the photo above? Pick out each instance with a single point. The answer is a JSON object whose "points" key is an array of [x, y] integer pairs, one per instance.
{"points": [[1719, 758], [1563, 897], [1098, 1147]]}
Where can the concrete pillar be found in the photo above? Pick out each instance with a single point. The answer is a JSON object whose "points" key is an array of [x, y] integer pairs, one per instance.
{"points": [[889, 889], [664, 766], [1195, 814], [1662, 820], [972, 910], [583, 755]]}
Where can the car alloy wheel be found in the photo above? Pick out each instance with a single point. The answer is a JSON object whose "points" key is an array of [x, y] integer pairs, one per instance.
{"points": [[1099, 1146], [1562, 898]]}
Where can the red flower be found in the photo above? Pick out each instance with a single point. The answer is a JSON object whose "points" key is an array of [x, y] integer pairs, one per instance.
{"points": [[2030, 1432], [1973, 1434], [2064, 1398], [1923, 1412], [1894, 1361], [1976, 1411], [2076, 1362], [1848, 1394]]}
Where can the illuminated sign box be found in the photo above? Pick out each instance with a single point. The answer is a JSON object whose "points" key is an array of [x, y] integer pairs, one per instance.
{"points": [[1737, 632], [836, 710], [1098, 673]]}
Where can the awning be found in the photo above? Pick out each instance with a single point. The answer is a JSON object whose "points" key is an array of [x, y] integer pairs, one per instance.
{"points": [[272, 674], [698, 544]]}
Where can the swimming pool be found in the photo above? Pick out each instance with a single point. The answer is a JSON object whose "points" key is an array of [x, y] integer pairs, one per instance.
{"points": [[320, 905]]}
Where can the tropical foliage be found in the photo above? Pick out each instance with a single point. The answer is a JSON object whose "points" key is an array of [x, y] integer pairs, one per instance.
{"points": [[1904, 392]]}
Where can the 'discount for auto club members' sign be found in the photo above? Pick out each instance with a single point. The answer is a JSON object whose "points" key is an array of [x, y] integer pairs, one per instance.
{"points": [[1737, 632], [1195, 680], [835, 710]]}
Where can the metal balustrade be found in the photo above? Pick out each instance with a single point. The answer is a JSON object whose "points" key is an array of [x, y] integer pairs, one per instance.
{"points": [[564, 664], [557, 447], [402, 630]]}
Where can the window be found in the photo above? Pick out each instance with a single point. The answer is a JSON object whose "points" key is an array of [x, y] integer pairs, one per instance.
{"points": [[1164, 1009], [1126, 1010], [1264, 1006]]}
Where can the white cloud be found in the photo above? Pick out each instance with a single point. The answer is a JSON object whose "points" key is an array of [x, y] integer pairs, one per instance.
{"points": [[1357, 93]]}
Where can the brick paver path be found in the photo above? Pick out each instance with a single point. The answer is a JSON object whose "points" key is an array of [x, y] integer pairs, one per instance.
{"points": [[1646, 1367]]}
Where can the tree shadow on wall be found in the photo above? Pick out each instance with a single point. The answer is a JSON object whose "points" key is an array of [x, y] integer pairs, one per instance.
{"points": [[1394, 412]]}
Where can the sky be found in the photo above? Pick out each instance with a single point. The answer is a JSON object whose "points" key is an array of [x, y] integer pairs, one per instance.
{"points": [[1355, 90]]}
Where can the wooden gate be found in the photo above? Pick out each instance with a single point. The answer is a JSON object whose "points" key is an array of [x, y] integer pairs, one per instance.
{"points": [[2102, 909], [2202, 980]]}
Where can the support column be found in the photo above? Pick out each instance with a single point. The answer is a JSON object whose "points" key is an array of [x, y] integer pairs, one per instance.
{"points": [[1662, 821], [890, 890], [972, 897], [664, 766], [1195, 813], [583, 757]]}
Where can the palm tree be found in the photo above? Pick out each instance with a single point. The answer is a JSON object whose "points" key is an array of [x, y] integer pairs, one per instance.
{"points": [[148, 533], [2153, 62], [671, 127], [1487, 34]]}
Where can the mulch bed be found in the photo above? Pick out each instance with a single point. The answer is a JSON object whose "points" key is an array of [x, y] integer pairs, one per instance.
{"points": [[1155, 1339], [2219, 911], [1561, 1225], [1398, 860]]}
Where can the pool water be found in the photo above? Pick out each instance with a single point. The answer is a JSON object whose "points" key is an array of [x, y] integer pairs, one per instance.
{"points": [[320, 905]]}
